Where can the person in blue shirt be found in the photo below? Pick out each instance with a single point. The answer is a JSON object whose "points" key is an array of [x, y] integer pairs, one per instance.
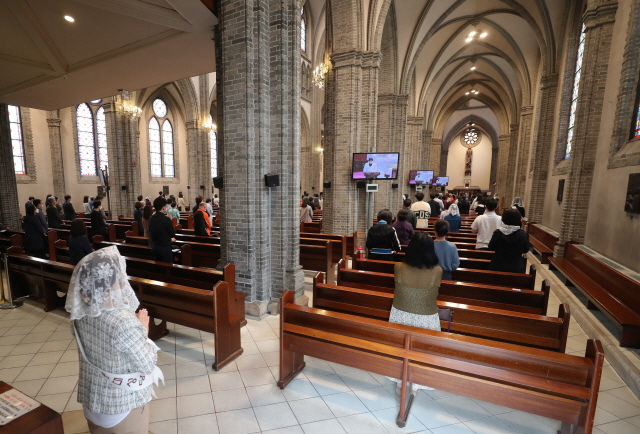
{"points": [[446, 251], [453, 218]]}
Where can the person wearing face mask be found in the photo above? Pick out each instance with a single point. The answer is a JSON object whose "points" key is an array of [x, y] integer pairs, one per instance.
{"points": [[161, 232], [371, 169]]}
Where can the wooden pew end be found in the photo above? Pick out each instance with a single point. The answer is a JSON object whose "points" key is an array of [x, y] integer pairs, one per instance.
{"points": [[290, 363], [156, 331]]}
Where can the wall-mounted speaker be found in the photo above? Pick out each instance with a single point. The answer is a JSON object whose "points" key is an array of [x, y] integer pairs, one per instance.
{"points": [[124, 188], [394, 185], [361, 184], [326, 184], [271, 180], [217, 182]]}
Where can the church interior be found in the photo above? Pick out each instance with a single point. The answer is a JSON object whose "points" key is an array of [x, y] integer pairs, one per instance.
{"points": [[247, 173]]}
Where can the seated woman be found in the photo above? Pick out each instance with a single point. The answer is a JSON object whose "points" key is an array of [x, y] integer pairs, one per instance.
{"points": [[382, 239], [117, 360], [79, 245], [446, 251], [454, 219], [510, 244], [417, 280], [403, 227]]}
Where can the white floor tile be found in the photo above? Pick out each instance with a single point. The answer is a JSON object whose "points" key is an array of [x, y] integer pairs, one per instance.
{"points": [[204, 424], [274, 416], [163, 409], [329, 384], [490, 425], [300, 388], [56, 402], [265, 395], [526, 423], [287, 430], [195, 405], [365, 423], [225, 381], [464, 408], [310, 410], [35, 372], [30, 387], [46, 358], [257, 377], [377, 398], [229, 400], [388, 419], [238, 422], [66, 369], [59, 385], [164, 427], [359, 380], [323, 427], [432, 415], [193, 385], [191, 369], [253, 361]]}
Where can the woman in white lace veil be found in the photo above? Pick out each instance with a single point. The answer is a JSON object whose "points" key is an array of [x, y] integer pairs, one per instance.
{"points": [[117, 360]]}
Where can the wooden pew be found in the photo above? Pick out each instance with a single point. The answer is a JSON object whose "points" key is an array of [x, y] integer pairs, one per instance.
{"points": [[313, 228], [541, 241], [549, 384], [339, 246], [202, 254], [470, 263], [187, 222], [537, 331], [495, 297], [318, 258], [111, 234], [615, 294], [496, 278], [208, 310], [352, 240], [181, 256]]}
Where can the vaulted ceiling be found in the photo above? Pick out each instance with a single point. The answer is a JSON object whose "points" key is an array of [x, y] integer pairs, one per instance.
{"points": [[48, 62], [435, 53]]}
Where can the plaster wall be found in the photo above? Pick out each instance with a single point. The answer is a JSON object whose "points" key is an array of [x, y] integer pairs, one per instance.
{"points": [[480, 166]]}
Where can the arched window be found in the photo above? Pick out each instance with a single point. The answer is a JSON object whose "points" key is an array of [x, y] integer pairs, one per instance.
{"points": [[17, 141], [91, 126], [213, 144], [161, 145], [574, 95], [303, 32]]}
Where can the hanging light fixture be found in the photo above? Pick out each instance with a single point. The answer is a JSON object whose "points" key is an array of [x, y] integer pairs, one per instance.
{"points": [[320, 74], [129, 109], [475, 34], [208, 125]]}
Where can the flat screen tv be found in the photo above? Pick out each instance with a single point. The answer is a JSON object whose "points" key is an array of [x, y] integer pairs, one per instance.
{"points": [[376, 165], [420, 177], [441, 181], [632, 203]]}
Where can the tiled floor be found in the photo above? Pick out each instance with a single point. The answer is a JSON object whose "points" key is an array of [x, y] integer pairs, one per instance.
{"points": [[39, 357]]}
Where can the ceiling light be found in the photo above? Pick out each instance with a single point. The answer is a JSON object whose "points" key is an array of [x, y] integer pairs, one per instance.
{"points": [[69, 18], [466, 93], [473, 124], [483, 34], [477, 92], [473, 33], [473, 68], [469, 39]]}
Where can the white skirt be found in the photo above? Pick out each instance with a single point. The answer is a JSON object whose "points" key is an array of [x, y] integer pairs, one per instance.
{"points": [[431, 322]]}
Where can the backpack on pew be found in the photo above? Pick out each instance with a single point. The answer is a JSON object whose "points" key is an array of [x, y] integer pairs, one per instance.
{"points": [[446, 315]]}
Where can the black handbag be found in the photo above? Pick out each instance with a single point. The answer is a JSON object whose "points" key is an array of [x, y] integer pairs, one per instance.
{"points": [[446, 315]]}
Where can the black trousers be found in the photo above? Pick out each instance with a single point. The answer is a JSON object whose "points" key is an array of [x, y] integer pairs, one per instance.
{"points": [[163, 254]]}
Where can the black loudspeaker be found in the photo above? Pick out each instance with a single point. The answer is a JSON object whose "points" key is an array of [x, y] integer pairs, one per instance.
{"points": [[394, 185], [124, 188], [361, 184], [217, 182], [326, 184], [271, 180], [202, 187]]}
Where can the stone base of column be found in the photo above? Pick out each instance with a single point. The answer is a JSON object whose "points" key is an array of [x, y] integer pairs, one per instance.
{"points": [[255, 308], [294, 280], [274, 304]]}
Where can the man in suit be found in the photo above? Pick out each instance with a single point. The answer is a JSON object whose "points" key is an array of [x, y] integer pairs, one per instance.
{"points": [[55, 221], [67, 208], [38, 204], [29, 202], [98, 222]]}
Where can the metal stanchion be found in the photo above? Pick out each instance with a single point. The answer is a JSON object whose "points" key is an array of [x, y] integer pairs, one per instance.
{"points": [[6, 303]]}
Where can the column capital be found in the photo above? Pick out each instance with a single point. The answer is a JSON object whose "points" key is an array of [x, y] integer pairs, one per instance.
{"points": [[549, 80], [389, 99], [55, 123], [504, 137], [526, 110], [415, 120], [514, 127], [602, 13], [368, 59]]}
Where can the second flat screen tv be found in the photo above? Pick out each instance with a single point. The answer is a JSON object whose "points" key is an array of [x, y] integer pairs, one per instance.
{"points": [[376, 166], [422, 177], [441, 181]]}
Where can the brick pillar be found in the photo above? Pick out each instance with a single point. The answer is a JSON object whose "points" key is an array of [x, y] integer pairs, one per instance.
{"points": [[258, 63], [502, 169], [204, 147], [434, 162], [493, 174], [192, 139], [522, 162], [599, 21], [542, 146], [426, 149], [9, 203], [509, 180], [55, 146], [124, 159], [350, 126], [414, 151], [392, 136]]}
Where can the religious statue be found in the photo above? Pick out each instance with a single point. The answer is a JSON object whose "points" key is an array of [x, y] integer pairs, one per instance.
{"points": [[467, 164]]}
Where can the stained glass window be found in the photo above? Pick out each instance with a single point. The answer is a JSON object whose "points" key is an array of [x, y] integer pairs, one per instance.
{"points": [[213, 143], [101, 123], [159, 108], [17, 144], [574, 95], [155, 148], [167, 149], [471, 137], [303, 32], [636, 130], [95, 101], [86, 141]]}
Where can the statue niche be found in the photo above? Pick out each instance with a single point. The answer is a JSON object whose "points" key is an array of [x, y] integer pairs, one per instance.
{"points": [[469, 139], [468, 160]]}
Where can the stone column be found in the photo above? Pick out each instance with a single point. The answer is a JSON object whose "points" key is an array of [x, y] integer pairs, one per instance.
{"points": [[511, 163], [426, 149], [124, 159], [204, 146], [522, 162], [9, 203], [436, 150], [55, 146], [502, 165], [599, 21], [542, 146], [350, 127], [414, 151], [494, 167], [258, 61], [192, 139]]}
